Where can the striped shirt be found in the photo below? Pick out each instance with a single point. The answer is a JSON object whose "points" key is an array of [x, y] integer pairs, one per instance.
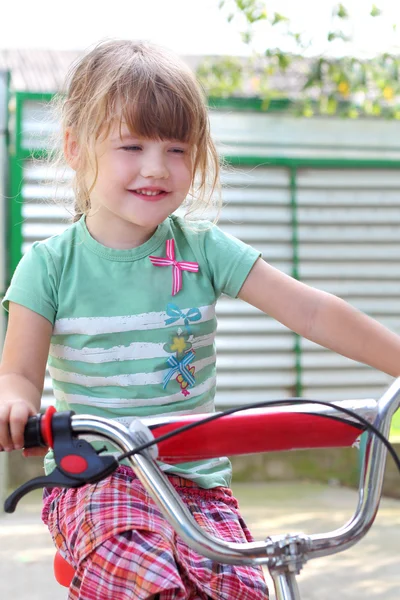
{"points": [[126, 343]]}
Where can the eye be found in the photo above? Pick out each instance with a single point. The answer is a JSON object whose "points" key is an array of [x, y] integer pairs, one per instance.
{"points": [[178, 150], [131, 148]]}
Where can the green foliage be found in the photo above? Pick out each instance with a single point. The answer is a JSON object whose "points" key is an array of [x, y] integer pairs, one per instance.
{"points": [[348, 86], [341, 12], [221, 78], [375, 11]]}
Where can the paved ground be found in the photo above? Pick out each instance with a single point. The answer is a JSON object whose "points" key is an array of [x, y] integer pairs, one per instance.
{"points": [[370, 569]]}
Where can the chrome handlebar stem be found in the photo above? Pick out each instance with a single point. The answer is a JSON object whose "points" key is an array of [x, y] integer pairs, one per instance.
{"points": [[370, 487]]}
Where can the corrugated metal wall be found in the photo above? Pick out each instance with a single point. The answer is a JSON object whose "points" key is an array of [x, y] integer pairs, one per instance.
{"points": [[349, 244], [320, 200], [256, 357]]}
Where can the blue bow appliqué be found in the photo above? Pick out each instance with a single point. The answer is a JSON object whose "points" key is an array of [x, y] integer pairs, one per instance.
{"points": [[175, 313], [180, 366]]}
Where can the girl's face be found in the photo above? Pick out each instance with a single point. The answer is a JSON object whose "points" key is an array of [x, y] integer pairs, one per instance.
{"points": [[139, 182]]}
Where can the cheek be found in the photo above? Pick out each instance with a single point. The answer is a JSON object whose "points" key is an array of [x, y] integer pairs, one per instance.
{"points": [[107, 181], [185, 176], [115, 165]]}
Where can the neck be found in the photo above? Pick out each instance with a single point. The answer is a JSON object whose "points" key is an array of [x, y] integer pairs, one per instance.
{"points": [[116, 233]]}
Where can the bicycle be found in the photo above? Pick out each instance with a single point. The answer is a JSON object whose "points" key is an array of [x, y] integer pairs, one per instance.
{"points": [[298, 424]]}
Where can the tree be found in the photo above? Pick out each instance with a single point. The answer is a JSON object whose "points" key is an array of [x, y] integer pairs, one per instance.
{"points": [[328, 83]]}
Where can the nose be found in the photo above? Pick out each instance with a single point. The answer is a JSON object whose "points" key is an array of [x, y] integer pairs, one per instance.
{"points": [[154, 165]]}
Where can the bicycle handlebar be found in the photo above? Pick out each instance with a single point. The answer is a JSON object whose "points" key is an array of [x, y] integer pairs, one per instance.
{"points": [[272, 429], [223, 436]]}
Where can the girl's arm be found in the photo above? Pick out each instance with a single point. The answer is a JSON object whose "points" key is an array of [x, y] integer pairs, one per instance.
{"points": [[22, 372], [322, 318]]}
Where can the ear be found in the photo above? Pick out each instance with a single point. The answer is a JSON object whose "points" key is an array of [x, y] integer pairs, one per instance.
{"points": [[71, 148]]}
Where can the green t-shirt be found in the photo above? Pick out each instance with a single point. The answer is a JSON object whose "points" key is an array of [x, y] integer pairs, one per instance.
{"points": [[119, 335]]}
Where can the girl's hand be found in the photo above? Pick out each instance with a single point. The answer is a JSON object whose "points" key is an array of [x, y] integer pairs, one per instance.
{"points": [[13, 417]]}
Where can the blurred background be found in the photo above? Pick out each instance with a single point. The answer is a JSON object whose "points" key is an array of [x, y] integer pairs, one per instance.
{"points": [[305, 109], [304, 104]]}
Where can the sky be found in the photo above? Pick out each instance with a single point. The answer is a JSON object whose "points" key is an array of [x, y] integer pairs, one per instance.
{"points": [[185, 26]]}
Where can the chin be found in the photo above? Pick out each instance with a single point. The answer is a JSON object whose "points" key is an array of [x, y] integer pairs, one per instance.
{"points": [[147, 223]]}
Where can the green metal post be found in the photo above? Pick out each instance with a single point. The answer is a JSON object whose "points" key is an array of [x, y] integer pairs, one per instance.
{"points": [[4, 102], [295, 272], [312, 163], [14, 229], [14, 233]]}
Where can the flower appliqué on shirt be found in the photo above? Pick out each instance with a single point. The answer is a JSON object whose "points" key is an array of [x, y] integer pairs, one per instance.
{"points": [[183, 383], [179, 344]]}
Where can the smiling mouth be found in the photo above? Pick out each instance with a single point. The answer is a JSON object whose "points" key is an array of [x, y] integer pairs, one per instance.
{"points": [[149, 194]]}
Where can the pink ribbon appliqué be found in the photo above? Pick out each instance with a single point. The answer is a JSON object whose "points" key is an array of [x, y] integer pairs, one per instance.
{"points": [[177, 267]]}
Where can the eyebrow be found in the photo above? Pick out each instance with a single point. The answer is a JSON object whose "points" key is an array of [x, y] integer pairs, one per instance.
{"points": [[124, 137]]}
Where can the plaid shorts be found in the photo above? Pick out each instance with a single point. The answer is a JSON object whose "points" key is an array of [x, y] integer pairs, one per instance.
{"points": [[122, 547]]}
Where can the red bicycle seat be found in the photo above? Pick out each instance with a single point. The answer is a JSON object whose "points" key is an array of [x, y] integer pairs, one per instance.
{"points": [[63, 571]]}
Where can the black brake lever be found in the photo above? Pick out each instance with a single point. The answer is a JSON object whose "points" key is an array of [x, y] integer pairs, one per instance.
{"points": [[77, 462]]}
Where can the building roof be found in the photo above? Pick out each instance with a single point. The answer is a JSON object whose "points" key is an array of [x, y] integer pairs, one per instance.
{"points": [[37, 70]]}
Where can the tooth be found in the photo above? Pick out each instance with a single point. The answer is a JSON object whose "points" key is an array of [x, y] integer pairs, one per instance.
{"points": [[148, 192]]}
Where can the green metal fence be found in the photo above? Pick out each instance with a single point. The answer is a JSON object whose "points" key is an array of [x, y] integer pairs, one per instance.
{"points": [[22, 150], [19, 153]]}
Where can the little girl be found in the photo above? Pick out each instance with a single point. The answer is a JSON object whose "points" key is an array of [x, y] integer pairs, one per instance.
{"points": [[121, 306]]}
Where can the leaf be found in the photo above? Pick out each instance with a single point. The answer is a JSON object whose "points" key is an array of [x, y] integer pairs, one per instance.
{"points": [[368, 107], [221, 77], [337, 35], [376, 109], [363, 76], [308, 111], [296, 37], [323, 104], [342, 12], [247, 36], [278, 18], [252, 10], [315, 77], [375, 11], [284, 60], [353, 113], [332, 105], [319, 68]]}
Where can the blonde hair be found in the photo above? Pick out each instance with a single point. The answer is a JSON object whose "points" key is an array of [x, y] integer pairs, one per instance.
{"points": [[155, 94]]}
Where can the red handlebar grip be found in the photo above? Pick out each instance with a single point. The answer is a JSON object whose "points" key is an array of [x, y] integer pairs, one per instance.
{"points": [[251, 433]]}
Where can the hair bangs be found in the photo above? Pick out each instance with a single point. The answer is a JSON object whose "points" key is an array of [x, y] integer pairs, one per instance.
{"points": [[155, 111]]}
